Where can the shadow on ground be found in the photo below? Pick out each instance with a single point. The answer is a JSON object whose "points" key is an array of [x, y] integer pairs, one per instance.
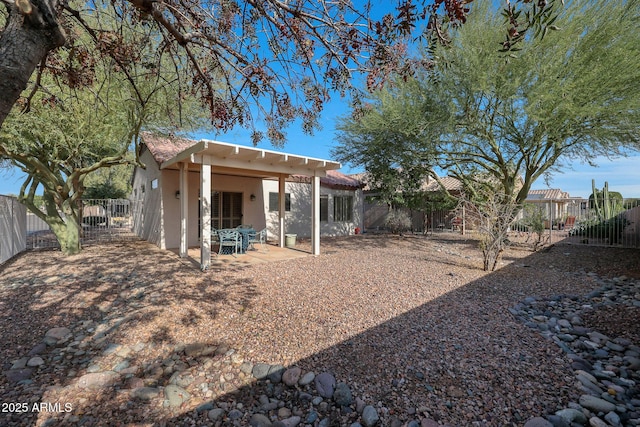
{"points": [[460, 358]]}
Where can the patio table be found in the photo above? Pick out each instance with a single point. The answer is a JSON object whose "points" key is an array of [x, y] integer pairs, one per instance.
{"points": [[244, 236]]}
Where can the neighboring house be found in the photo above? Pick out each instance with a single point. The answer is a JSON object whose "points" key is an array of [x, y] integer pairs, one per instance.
{"points": [[190, 186], [557, 204], [375, 212]]}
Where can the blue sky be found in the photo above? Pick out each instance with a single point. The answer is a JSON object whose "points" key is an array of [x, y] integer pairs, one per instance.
{"points": [[622, 174]]}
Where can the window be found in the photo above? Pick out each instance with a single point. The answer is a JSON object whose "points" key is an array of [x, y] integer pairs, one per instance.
{"points": [[342, 208], [154, 184], [273, 202], [324, 208], [226, 210]]}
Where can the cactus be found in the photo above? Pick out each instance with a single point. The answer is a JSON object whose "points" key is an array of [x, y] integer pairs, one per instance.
{"points": [[606, 207], [608, 222]]}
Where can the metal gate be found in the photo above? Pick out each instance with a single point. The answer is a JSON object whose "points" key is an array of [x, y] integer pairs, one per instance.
{"points": [[103, 220]]}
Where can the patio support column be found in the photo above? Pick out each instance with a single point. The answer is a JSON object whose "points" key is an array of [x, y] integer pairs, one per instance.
{"points": [[281, 208], [205, 214], [315, 215], [184, 208]]}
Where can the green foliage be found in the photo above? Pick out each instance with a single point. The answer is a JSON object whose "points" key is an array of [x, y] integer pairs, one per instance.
{"points": [[62, 137], [484, 116], [533, 218], [397, 221], [595, 228], [109, 183], [605, 203], [498, 122], [609, 221]]}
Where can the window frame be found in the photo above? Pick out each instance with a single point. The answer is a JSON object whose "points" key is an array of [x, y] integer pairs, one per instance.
{"points": [[343, 208], [273, 205]]}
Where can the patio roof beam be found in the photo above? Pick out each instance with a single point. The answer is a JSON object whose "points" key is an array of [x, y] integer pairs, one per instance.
{"points": [[185, 155], [272, 169]]}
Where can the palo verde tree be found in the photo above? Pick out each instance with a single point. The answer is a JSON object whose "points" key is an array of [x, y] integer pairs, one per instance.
{"points": [[60, 134], [503, 120], [279, 60]]}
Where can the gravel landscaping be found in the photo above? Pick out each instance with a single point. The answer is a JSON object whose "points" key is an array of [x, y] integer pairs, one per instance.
{"points": [[377, 330]]}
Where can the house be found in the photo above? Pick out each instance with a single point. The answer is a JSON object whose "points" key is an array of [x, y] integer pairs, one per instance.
{"points": [[188, 187], [556, 204], [375, 212]]}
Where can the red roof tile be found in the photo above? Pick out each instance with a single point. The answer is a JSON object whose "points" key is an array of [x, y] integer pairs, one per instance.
{"points": [[163, 148], [334, 179]]}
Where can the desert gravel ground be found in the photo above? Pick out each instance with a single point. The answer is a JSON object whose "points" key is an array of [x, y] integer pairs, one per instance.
{"points": [[412, 324]]}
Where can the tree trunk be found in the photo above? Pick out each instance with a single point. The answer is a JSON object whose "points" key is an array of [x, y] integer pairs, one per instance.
{"points": [[25, 41], [68, 235]]}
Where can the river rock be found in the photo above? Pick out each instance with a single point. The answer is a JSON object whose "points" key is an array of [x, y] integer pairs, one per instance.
{"points": [[370, 416], [175, 395], [259, 420], [538, 422], [98, 380], [145, 393], [571, 415], [291, 376], [596, 404], [342, 395], [325, 384]]}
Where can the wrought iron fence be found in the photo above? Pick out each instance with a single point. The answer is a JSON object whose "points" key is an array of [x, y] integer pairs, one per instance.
{"points": [[103, 220], [583, 222]]}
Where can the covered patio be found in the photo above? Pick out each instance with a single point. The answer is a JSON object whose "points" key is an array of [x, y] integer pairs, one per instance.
{"points": [[274, 253], [210, 159]]}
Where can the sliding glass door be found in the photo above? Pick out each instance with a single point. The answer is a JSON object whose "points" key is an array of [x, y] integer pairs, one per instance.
{"points": [[226, 209]]}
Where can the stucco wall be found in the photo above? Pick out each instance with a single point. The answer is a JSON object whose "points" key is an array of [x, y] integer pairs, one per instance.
{"points": [[252, 212], [148, 221], [159, 220], [298, 220]]}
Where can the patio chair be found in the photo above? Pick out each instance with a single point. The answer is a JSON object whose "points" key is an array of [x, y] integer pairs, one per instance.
{"points": [[258, 237], [229, 239], [569, 223]]}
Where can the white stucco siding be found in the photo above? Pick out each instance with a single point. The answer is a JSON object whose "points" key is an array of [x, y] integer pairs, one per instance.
{"points": [[252, 212], [148, 225], [298, 219]]}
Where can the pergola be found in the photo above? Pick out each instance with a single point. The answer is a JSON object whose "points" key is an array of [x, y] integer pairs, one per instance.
{"points": [[208, 157]]}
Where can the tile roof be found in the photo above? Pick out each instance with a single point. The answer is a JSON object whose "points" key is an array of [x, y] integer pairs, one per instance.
{"points": [[450, 184], [334, 179], [163, 148], [547, 194]]}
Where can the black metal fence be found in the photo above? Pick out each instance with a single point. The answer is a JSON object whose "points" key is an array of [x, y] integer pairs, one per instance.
{"points": [[574, 221], [582, 222]]}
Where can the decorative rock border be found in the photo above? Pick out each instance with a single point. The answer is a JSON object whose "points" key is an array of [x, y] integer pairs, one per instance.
{"points": [[607, 369]]}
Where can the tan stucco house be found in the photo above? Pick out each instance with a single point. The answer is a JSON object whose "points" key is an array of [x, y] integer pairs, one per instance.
{"points": [[187, 187]]}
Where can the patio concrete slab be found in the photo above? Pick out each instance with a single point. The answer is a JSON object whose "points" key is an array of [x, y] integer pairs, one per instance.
{"points": [[270, 253]]}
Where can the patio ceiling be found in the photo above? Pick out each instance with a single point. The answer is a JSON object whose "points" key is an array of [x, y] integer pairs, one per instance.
{"points": [[233, 159]]}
